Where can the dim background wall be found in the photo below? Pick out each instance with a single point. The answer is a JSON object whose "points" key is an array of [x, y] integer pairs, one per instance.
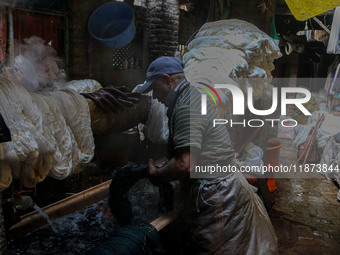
{"points": [[156, 35]]}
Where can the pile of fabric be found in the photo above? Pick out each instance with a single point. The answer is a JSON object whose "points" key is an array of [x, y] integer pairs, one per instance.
{"points": [[232, 52]]}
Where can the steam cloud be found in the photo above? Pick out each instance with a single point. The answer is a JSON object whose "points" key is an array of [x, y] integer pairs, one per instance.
{"points": [[36, 66]]}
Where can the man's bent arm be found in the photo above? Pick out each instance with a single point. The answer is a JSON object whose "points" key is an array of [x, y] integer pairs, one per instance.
{"points": [[178, 167]]}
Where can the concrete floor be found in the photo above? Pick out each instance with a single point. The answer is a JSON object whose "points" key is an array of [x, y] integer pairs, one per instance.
{"points": [[306, 213]]}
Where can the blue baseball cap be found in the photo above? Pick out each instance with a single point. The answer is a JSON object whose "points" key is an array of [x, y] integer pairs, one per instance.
{"points": [[160, 66]]}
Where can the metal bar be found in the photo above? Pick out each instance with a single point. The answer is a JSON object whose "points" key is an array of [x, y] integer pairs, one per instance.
{"points": [[321, 25], [26, 25], [40, 25], [3, 240], [11, 37], [55, 32], [41, 11], [46, 29], [33, 28], [19, 31], [66, 46]]}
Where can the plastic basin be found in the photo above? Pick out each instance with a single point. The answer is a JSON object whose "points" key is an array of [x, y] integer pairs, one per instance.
{"points": [[113, 24]]}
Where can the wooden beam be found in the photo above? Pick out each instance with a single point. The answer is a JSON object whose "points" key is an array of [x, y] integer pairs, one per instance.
{"points": [[3, 240], [164, 220], [79, 201]]}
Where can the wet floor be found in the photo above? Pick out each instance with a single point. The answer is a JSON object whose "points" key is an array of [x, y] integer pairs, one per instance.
{"points": [[306, 213]]}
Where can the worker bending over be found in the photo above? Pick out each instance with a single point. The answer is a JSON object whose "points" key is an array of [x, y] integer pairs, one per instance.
{"points": [[223, 214]]}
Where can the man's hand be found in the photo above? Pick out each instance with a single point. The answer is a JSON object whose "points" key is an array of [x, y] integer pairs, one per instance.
{"points": [[112, 99], [153, 173], [176, 168]]}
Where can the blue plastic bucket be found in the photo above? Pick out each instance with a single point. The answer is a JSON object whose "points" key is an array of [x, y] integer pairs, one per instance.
{"points": [[113, 24]]}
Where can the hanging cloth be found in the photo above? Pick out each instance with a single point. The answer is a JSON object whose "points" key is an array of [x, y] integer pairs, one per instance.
{"points": [[305, 9]]}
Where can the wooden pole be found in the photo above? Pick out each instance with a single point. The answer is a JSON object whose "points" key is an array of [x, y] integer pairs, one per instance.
{"points": [[3, 240], [10, 38], [164, 220], [313, 139], [71, 204], [59, 209]]}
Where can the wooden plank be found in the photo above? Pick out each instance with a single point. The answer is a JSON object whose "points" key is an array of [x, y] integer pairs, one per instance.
{"points": [[3, 240], [164, 220]]}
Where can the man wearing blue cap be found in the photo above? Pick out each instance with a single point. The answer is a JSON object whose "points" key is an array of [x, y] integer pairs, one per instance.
{"points": [[222, 215]]}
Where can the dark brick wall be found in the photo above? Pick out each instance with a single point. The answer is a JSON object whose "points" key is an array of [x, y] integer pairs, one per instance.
{"points": [[79, 61]]}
